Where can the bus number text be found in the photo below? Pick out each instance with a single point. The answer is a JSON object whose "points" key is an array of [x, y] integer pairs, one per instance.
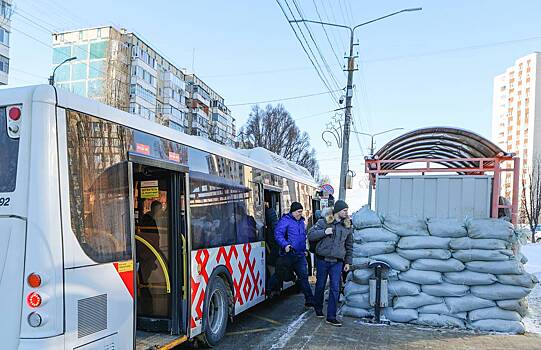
{"points": [[4, 202]]}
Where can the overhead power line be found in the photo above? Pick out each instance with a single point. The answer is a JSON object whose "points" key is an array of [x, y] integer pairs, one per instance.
{"points": [[303, 45], [283, 99]]}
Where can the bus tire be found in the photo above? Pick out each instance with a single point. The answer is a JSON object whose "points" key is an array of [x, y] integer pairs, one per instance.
{"points": [[215, 312]]}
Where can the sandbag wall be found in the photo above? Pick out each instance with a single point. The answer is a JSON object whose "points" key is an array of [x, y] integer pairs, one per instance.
{"points": [[444, 272]]}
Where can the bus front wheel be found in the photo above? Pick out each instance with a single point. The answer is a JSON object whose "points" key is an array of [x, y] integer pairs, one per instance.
{"points": [[215, 312]]}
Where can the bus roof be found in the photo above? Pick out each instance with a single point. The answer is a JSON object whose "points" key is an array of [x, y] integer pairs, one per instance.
{"points": [[259, 158]]}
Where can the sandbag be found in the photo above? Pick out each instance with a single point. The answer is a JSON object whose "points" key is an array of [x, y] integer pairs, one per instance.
{"points": [[467, 255], [360, 263], [362, 276], [353, 288], [498, 326], [498, 291], [510, 267], [441, 309], [445, 290], [449, 265], [394, 260], [402, 288], [400, 315], [360, 301], [469, 243], [356, 312], [518, 305], [469, 278], [436, 320], [414, 254], [365, 217], [405, 226], [524, 280], [449, 228], [374, 234], [416, 242], [373, 248], [421, 277], [490, 229], [415, 301], [466, 303], [493, 313]]}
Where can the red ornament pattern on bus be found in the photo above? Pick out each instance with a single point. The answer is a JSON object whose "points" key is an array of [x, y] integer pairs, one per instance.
{"points": [[245, 263]]}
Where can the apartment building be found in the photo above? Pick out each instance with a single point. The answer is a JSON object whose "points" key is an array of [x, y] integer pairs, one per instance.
{"points": [[5, 31], [118, 68], [516, 123]]}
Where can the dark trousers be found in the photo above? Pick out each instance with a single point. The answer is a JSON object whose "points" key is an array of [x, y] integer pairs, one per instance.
{"points": [[300, 266], [333, 270]]}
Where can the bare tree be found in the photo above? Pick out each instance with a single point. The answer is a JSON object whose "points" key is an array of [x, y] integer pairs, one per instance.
{"points": [[531, 195], [273, 128]]}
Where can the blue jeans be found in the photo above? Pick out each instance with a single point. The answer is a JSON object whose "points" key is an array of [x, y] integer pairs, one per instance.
{"points": [[300, 266], [334, 271]]}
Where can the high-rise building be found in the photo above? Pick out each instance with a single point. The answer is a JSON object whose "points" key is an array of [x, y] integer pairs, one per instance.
{"points": [[118, 68], [5, 32], [516, 117]]}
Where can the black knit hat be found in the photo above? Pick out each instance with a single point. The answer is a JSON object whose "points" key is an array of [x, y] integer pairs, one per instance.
{"points": [[295, 206], [339, 205]]}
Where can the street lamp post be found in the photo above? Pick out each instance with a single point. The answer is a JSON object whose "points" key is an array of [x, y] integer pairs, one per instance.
{"points": [[372, 147], [51, 78], [344, 167]]}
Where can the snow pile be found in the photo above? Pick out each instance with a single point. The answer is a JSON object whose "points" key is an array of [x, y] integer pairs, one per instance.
{"points": [[443, 272]]}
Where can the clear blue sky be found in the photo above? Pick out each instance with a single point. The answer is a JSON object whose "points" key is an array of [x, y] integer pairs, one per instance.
{"points": [[433, 67]]}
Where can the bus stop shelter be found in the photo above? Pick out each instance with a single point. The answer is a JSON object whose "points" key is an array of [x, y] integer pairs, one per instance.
{"points": [[449, 150]]}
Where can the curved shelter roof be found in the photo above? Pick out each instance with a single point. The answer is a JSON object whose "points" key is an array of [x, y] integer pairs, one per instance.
{"points": [[439, 143]]}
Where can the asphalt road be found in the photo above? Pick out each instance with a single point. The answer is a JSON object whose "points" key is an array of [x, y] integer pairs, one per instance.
{"points": [[266, 325]]}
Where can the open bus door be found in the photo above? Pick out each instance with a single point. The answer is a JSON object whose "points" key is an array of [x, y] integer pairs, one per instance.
{"points": [[160, 240]]}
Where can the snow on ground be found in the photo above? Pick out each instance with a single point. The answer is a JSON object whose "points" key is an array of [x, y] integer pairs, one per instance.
{"points": [[533, 320]]}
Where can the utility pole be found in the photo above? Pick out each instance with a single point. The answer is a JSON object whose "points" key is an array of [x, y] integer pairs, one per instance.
{"points": [[372, 150], [344, 166]]}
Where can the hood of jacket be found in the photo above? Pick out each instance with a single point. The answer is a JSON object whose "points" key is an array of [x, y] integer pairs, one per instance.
{"points": [[329, 219]]}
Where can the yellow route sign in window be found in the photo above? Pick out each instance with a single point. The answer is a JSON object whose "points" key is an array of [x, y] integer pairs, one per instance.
{"points": [[150, 192]]}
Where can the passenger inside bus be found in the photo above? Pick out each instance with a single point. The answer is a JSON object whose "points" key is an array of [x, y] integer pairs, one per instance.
{"points": [[245, 225]]}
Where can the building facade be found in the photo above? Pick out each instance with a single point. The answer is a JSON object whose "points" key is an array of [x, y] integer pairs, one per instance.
{"points": [[516, 114], [5, 32], [118, 68]]}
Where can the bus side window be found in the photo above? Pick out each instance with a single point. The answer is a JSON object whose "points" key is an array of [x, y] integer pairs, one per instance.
{"points": [[99, 188]]}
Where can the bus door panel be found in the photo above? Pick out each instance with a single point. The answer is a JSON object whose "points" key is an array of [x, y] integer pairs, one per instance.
{"points": [[160, 232]]}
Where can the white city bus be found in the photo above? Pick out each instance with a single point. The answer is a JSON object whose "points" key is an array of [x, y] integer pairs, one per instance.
{"points": [[119, 233]]}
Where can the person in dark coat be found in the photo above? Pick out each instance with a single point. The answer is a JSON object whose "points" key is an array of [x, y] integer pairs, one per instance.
{"points": [[334, 250], [290, 234], [271, 219]]}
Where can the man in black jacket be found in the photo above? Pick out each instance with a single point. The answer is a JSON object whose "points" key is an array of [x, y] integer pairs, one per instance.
{"points": [[334, 249]]}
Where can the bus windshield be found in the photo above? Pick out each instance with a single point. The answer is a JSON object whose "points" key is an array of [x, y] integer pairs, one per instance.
{"points": [[9, 151]]}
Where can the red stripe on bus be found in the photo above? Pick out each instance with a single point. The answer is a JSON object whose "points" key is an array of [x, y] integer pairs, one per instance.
{"points": [[125, 271]]}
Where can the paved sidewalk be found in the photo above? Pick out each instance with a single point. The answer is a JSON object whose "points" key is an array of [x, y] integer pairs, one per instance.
{"points": [[316, 334]]}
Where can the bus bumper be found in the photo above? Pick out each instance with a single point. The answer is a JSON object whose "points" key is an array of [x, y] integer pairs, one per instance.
{"points": [[42, 343]]}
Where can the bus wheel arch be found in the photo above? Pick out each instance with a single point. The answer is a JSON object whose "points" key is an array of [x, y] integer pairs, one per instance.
{"points": [[218, 306]]}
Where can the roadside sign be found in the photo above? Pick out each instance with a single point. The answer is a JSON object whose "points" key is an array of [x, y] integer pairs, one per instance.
{"points": [[327, 188]]}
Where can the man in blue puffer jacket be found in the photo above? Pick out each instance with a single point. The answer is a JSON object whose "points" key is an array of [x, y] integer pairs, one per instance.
{"points": [[290, 234]]}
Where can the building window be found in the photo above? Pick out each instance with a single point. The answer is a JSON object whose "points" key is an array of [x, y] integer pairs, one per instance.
{"points": [[81, 35], [79, 71], [61, 53], [6, 10], [4, 64], [98, 50], [95, 88], [97, 69], [4, 36], [80, 51]]}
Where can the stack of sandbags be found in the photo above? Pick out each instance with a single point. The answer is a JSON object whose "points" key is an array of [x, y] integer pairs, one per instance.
{"points": [[444, 272]]}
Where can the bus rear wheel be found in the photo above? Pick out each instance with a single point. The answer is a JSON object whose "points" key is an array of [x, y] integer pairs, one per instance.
{"points": [[215, 312]]}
